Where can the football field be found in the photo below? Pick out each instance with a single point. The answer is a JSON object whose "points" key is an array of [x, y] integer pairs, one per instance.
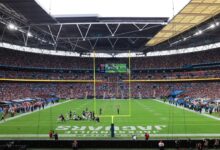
{"points": [[135, 117]]}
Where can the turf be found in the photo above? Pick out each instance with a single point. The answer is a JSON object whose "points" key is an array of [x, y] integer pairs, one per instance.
{"points": [[140, 116], [217, 114]]}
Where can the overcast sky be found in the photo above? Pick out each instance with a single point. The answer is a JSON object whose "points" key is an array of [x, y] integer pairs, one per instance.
{"points": [[113, 8]]}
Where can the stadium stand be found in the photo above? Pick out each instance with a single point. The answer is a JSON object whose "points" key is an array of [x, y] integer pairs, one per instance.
{"points": [[94, 79], [16, 58]]}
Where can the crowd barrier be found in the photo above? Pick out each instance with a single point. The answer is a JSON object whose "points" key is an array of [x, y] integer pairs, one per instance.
{"points": [[103, 143]]}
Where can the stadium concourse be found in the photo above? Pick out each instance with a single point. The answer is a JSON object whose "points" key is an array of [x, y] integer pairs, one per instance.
{"points": [[72, 80]]}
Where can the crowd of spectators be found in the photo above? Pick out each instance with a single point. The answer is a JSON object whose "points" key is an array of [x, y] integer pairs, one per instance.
{"points": [[112, 85], [45, 75], [17, 107], [108, 77], [22, 59], [11, 91], [189, 144]]}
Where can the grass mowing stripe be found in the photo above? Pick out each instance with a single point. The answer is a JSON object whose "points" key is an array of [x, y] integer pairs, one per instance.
{"points": [[146, 114]]}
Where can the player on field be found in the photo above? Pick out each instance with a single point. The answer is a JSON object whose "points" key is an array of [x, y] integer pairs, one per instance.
{"points": [[118, 111], [62, 118], [100, 111], [70, 115]]}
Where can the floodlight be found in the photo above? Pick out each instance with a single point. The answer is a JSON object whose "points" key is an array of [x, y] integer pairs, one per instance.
{"points": [[199, 32], [212, 26], [42, 40], [12, 26], [29, 34]]}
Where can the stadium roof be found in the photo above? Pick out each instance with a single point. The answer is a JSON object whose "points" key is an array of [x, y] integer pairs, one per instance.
{"points": [[25, 23], [78, 34], [193, 14]]}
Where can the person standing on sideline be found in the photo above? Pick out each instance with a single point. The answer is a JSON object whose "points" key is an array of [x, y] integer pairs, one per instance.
{"points": [[56, 137], [177, 144], [75, 145], [199, 146], [147, 136], [161, 145], [50, 134], [216, 143], [112, 129], [189, 144], [205, 144], [3, 117]]}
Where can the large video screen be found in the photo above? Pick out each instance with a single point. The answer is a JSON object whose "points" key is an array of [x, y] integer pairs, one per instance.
{"points": [[113, 68]]}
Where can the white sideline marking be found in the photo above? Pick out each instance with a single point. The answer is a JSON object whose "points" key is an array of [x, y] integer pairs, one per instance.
{"points": [[89, 135], [206, 115], [28, 113]]}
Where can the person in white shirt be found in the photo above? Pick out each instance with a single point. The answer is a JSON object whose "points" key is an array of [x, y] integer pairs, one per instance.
{"points": [[161, 145]]}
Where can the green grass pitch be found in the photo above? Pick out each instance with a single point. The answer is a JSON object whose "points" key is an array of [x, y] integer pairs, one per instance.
{"points": [[157, 118]]}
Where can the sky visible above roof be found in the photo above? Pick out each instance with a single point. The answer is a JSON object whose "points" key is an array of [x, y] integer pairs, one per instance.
{"points": [[113, 8]]}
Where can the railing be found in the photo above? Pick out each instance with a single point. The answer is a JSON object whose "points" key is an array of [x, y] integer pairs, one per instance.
{"points": [[101, 81]]}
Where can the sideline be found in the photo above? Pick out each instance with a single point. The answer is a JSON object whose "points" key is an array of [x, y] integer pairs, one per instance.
{"points": [[206, 115], [28, 113], [89, 135]]}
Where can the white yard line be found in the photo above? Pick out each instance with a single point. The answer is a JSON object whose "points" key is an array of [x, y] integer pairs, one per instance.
{"points": [[28, 113], [89, 135], [206, 115]]}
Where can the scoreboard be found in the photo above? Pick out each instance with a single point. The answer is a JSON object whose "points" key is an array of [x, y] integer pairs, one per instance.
{"points": [[113, 68]]}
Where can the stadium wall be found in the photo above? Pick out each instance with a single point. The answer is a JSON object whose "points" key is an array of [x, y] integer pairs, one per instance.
{"points": [[105, 143]]}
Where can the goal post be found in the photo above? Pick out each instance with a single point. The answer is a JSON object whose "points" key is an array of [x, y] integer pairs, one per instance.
{"points": [[116, 91]]}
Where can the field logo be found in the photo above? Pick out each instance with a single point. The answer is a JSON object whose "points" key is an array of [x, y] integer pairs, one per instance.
{"points": [[104, 131]]}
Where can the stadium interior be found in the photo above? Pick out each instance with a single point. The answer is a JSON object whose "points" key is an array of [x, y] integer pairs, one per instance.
{"points": [[83, 81]]}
